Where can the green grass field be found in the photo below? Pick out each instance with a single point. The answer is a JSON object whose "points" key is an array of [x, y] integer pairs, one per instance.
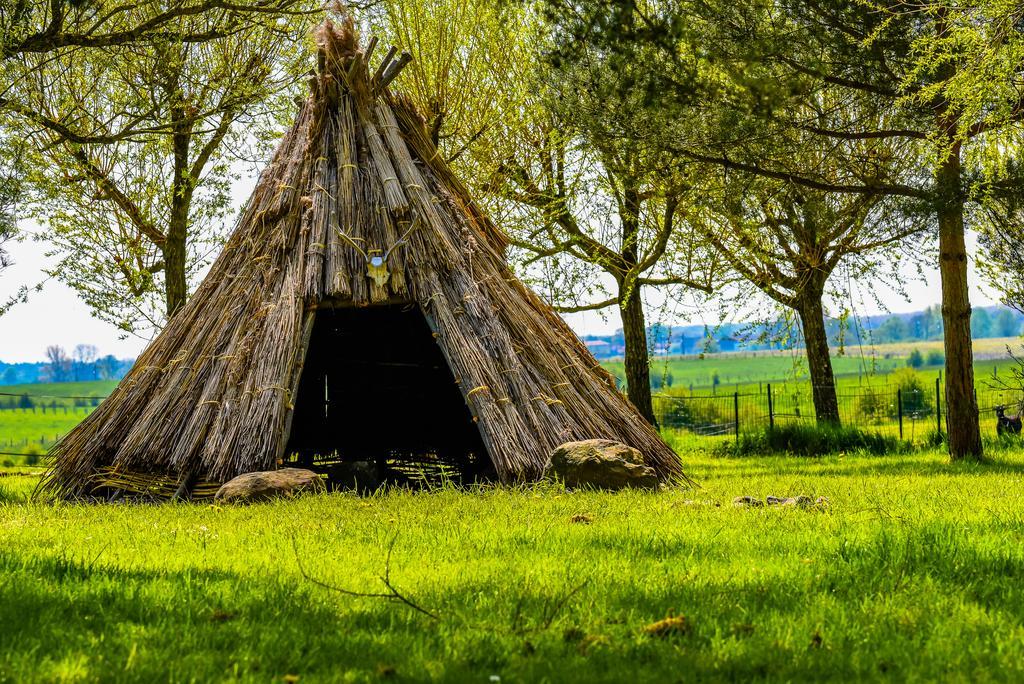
{"points": [[913, 573], [61, 393], [22, 428], [55, 412], [743, 371]]}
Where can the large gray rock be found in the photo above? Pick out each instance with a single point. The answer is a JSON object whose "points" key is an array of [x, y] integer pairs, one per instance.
{"points": [[601, 464], [269, 484]]}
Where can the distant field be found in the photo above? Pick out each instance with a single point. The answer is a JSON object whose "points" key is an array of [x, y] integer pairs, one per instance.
{"points": [[754, 368], [58, 392], [24, 430], [57, 407]]}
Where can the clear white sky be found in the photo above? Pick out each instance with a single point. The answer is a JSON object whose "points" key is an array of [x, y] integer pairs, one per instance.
{"points": [[57, 316]]}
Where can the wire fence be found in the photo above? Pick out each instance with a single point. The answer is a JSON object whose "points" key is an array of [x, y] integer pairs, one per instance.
{"points": [[31, 423], [912, 414]]}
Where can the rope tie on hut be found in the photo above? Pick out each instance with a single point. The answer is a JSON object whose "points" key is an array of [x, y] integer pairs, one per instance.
{"points": [[269, 388]]}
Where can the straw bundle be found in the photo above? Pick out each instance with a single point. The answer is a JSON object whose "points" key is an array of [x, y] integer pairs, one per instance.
{"points": [[212, 396]]}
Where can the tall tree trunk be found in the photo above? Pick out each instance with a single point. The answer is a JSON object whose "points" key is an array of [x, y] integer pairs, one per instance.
{"points": [[175, 257], [175, 247], [962, 429], [819, 361], [634, 329]]}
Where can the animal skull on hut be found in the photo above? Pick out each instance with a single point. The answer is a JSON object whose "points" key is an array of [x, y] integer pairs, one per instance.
{"points": [[376, 259], [376, 267]]}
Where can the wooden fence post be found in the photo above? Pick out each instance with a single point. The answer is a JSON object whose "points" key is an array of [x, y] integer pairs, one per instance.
{"points": [[736, 412], [938, 406], [899, 409], [771, 409]]}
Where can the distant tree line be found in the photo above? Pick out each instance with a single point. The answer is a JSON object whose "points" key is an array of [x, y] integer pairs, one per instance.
{"points": [[81, 365], [921, 326]]}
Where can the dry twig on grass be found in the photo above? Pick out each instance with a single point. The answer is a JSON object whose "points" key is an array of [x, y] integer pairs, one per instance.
{"points": [[392, 593]]}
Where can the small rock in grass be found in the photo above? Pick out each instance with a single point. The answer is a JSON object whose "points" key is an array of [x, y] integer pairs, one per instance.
{"points": [[670, 626], [800, 501], [704, 502], [747, 501]]}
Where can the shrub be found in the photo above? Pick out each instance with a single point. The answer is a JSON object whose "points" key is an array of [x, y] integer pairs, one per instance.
{"points": [[917, 396], [8, 463], [935, 358], [916, 359], [33, 454], [701, 415], [814, 440], [872, 406]]}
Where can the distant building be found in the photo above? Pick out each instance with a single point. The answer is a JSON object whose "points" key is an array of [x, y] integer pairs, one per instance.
{"points": [[728, 344]]}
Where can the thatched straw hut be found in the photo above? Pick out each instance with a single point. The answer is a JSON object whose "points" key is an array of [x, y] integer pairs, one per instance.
{"points": [[362, 309]]}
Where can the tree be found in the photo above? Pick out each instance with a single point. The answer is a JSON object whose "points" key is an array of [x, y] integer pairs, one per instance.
{"points": [[10, 376], [132, 142], [469, 74], [603, 205], [58, 366], [893, 329], [923, 71], [1006, 324], [927, 325], [1002, 240], [981, 323], [107, 367], [10, 192], [83, 357], [787, 241]]}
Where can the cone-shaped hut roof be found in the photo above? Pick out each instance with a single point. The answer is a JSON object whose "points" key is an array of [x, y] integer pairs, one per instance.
{"points": [[356, 177]]}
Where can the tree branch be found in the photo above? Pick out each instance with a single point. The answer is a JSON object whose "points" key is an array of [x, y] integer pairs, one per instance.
{"points": [[130, 209], [53, 37], [587, 307], [881, 188]]}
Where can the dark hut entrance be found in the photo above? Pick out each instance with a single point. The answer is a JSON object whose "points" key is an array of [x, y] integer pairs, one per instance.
{"points": [[377, 403]]}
